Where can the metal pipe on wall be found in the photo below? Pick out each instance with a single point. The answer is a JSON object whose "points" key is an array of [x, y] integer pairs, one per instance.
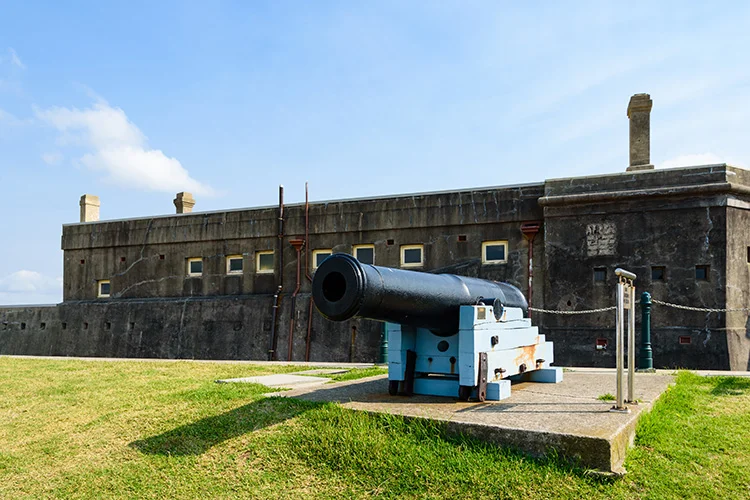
{"points": [[530, 230], [297, 244], [279, 279], [307, 273]]}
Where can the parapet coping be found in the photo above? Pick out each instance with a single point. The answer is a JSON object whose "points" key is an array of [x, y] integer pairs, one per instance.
{"points": [[642, 172]]}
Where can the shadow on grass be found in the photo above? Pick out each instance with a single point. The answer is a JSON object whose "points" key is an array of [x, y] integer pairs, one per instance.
{"points": [[730, 386], [198, 437]]}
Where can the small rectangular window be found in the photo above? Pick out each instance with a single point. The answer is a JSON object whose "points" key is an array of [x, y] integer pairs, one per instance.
{"points": [[104, 288], [684, 340], [264, 261], [600, 274], [389, 242], [107, 325], [461, 238], [234, 264], [64, 326], [319, 256], [657, 273], [123, 259], [365, 253], [601, 344], [161, 256], [412, 255], [42, 326], [195, 266], [701, 273], [748, 255], [23, 326], [494, 252]]}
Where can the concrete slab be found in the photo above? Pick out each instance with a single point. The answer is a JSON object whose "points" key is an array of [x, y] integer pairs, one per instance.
{"points": [[566, 416], [279, 381], [323, 371]]}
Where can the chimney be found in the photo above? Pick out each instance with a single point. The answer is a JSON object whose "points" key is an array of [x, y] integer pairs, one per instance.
{"points": [[639, 113], [184, 203], [89, 208]]}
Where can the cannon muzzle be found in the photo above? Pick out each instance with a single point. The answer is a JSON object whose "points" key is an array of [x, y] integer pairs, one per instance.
{"points": [[344, 288]]}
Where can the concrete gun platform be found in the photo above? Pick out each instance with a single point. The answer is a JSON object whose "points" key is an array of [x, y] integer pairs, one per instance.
{"points": [[537, 417]]}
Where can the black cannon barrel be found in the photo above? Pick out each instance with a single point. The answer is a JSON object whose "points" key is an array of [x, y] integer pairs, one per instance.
{"points": [[344, 288]]}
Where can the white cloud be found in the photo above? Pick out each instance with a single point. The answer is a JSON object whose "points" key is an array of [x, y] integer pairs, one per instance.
{"points": [[53, 158], [691, 160], [15, 60], [119, 148], [26, 283]]}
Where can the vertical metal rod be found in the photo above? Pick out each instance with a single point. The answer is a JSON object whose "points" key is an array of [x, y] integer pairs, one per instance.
{"points": [[307, 274], [620, 339], [631, 345]]}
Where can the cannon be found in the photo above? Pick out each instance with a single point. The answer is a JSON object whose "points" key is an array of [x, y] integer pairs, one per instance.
{"points": [[448, 335]]}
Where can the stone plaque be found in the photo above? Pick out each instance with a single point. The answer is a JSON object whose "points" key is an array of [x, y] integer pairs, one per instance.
{"points": [[601, 239]]}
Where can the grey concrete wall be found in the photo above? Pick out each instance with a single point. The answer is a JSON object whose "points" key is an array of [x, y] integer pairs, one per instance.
{"points": [[189, 328], [618, 221], [738, 284], [676, 218], [129, 252]]}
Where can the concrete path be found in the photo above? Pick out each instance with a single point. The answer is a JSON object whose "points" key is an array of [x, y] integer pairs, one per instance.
{"points": [[279, 381]]}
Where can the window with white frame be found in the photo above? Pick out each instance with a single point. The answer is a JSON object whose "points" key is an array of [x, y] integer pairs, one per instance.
{"points": [[494, 252], [195, 266], [264, 261], [364, 253], [234, 264], [319, 256], [412, 255], [104, 288]]}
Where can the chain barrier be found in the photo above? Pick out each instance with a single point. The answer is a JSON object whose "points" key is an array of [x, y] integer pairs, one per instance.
{"points": [[654, 301], [698, 309], [587, 311]]}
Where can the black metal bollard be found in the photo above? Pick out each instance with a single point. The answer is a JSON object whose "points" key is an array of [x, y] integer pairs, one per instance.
{"points": [[646, 358]]}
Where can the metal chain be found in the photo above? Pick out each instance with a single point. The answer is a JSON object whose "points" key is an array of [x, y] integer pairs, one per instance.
{"points": [[698, 309], [587, 311], [655, 301]]}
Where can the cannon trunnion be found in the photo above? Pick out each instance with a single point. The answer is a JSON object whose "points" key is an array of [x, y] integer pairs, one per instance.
{"points": [[447, 335]]}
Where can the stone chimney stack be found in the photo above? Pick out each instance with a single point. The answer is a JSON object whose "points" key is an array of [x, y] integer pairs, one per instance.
{"points": [[89, 208], [184, 203], [639, 113]]}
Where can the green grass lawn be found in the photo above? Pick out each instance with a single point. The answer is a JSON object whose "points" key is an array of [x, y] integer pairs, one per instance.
{"points": [[86, 429]]}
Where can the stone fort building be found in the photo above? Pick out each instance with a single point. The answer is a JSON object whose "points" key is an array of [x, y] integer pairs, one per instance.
{"points": [[235, 284]]}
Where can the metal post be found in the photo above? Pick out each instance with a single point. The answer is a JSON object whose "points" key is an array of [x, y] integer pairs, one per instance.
{"points": [[646, 358], [631, 345], [620, 334], [624, 285]]}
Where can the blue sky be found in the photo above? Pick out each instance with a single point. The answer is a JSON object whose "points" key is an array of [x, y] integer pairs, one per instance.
{"points": [[134, 101]]}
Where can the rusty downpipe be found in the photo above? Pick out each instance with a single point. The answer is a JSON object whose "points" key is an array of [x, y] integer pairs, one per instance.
{"points": [[307, 274], [279, 279], [297, 244], [530, 230]]}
